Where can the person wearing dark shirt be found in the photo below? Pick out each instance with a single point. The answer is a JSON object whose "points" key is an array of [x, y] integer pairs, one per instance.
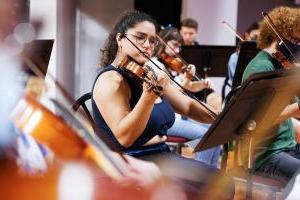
{"points": [[135, 116]]}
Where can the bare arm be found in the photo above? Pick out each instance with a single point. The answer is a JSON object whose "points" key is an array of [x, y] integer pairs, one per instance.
{"points": [[155, 140], [138, 172], [187, 106], [112, 95], [214, 100], [296, 125], [291, 110], [196, 86]]}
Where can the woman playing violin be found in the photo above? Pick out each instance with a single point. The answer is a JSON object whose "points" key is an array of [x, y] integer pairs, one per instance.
{"points": [[175, 66], [166, 59], [280, 157], [167, 56], [134, 117]]}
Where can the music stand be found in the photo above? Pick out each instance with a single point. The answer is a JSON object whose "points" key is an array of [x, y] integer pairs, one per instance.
{"points": [[208, 59], [252, 111], [38, 52], [247, 52]]}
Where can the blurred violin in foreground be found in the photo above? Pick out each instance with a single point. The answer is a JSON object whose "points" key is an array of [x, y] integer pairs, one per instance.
{"points": [[65, 135]]}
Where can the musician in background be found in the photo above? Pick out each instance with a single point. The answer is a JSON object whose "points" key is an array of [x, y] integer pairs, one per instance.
{"points": [[278, 155], [189, 31], [174, 40], [183, 126]]}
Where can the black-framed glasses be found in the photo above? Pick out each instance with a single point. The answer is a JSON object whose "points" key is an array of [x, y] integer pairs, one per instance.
{"points": [[141, 39]]}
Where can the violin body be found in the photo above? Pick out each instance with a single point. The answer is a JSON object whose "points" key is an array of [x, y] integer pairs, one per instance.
{"points": [[52, 131], [173, 63], [30, 117], [177, 65]]}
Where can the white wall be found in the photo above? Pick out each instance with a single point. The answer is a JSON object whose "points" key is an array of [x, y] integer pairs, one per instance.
{"points": [[94, 22], [46, 12], [210, 14]]}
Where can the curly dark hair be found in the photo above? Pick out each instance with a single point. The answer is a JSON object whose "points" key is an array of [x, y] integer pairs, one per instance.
{"points": [[287, 22], [126, 21], [168, 34]]}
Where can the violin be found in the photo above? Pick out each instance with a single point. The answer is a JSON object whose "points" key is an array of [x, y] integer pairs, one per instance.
{"points": [[280, 57], [175, 64], [68, 136], [68, 141], [288, 51], [141, 72], [137, 70]]}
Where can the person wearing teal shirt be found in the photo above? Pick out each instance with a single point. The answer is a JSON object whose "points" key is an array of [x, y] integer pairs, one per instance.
{"points": [[279, 155]]}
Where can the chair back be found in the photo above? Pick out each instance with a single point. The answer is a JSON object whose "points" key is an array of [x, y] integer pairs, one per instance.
{"points": [[81, 102]]}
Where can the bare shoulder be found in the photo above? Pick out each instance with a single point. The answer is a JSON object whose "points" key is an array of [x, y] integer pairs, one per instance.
{"points": [[110, 83]]}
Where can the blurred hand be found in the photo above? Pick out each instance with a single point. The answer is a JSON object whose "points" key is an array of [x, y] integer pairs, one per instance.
{"points": [[191, 70], [196, 86], [207, 83], [156, 139], [141, 173]]}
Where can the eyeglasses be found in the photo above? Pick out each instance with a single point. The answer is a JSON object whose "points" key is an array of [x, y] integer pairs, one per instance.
{"points": [[141, 39]]}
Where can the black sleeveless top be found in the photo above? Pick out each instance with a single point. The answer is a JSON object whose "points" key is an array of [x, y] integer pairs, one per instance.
{"points": [[161, 119]]}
